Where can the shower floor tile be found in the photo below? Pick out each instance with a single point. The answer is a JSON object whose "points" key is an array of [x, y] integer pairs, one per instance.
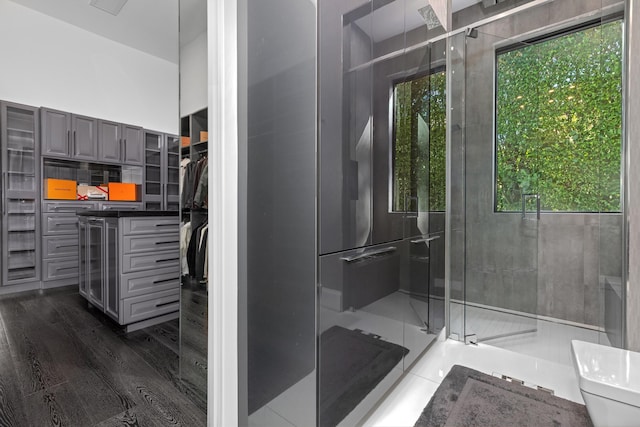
{"points": [[543, 339]]}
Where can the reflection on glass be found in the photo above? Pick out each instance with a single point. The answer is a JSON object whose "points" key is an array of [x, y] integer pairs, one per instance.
{"points": [[180, 170], [382, 284]]}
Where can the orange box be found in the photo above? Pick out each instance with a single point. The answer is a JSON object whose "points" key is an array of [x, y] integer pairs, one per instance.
{"points": [[185, 141], [204, 136], [61, 189], [123, 191]]}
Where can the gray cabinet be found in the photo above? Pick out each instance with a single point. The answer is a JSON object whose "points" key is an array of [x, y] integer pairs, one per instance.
{"points": [[20, 193], [120, 143], [161, 171], [133, 145], [84, 138], [109, 141], [60, 263], [98, 249], [60, 260], [132, 273], [68, 135]]}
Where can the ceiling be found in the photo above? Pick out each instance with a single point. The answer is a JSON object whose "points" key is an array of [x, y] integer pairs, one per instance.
{"points": [[147, 25], [193, 19], [151, 26], [400, 16]]}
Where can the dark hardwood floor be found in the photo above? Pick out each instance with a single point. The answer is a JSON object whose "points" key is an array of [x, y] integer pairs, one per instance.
{"points": [[193, 345], [62, 364]]}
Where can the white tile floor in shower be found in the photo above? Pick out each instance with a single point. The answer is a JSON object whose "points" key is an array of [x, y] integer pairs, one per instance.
{"points": [[544, 339]]}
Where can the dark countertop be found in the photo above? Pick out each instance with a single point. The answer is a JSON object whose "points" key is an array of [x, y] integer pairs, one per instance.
{"points": [[127, 213]]}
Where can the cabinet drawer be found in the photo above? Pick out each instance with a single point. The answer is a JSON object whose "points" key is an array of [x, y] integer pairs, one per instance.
{"points": [[59, 246], [54, 269], [71, 207], [59, 223], [153, 261], [142, 282], [151, 243], [149, 225], [120, 206], [143, 307]]}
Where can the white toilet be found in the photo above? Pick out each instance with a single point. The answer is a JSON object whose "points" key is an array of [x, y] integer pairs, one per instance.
{"points": [[609, 380]]}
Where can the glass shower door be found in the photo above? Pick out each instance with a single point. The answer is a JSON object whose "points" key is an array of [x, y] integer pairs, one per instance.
{"points": [[501, 209]]}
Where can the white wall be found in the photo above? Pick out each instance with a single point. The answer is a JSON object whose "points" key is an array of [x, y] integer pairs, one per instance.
{"points": [[193, 75], [47, 62]]}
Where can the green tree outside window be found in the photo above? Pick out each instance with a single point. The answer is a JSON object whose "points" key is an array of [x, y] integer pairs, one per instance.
{"points": [[419, 149], [559, 121]]}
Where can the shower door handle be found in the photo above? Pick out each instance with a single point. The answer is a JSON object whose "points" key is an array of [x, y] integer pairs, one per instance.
{"points": [[526, 197], [407, 202], [425, 240], [369, 254]]}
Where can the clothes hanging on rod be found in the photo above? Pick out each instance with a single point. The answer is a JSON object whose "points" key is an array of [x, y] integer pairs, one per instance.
{"points": [[197, 252], [187, 193], [185, 236], [201, 254], [201, 198], [194, 187], [183, 169]]}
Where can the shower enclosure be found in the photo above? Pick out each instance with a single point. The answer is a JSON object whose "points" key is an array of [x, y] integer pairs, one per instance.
{"points": [[537, 176], [345, 215], [345, 291]]}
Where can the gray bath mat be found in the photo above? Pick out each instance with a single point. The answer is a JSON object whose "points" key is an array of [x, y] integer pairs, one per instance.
{"points": [[469, 398]]}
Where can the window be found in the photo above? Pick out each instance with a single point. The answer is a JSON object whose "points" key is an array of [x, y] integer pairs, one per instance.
{"points": [[559, 121], [419, 144]]}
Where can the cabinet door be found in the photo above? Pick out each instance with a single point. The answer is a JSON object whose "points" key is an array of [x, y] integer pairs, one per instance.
{"points": [[95, 256], [82, 262], [111, 273], [172, 169], [109, 141], [84, 141], [153, 171], [133, 145], [20, 193], [56, 128]]}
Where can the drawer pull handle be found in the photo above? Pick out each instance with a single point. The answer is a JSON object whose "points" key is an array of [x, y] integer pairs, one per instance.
{"points": [[166, 303], [155, 282], [166, 243], [166, 225], [167, 259], [67, 246]]}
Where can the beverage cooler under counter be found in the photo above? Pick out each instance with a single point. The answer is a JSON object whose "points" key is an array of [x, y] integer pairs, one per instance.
{"points": [[130, 265]]}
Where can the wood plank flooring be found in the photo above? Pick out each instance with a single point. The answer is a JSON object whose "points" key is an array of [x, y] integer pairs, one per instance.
{"points": [[193, 345], [62, 364]]}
